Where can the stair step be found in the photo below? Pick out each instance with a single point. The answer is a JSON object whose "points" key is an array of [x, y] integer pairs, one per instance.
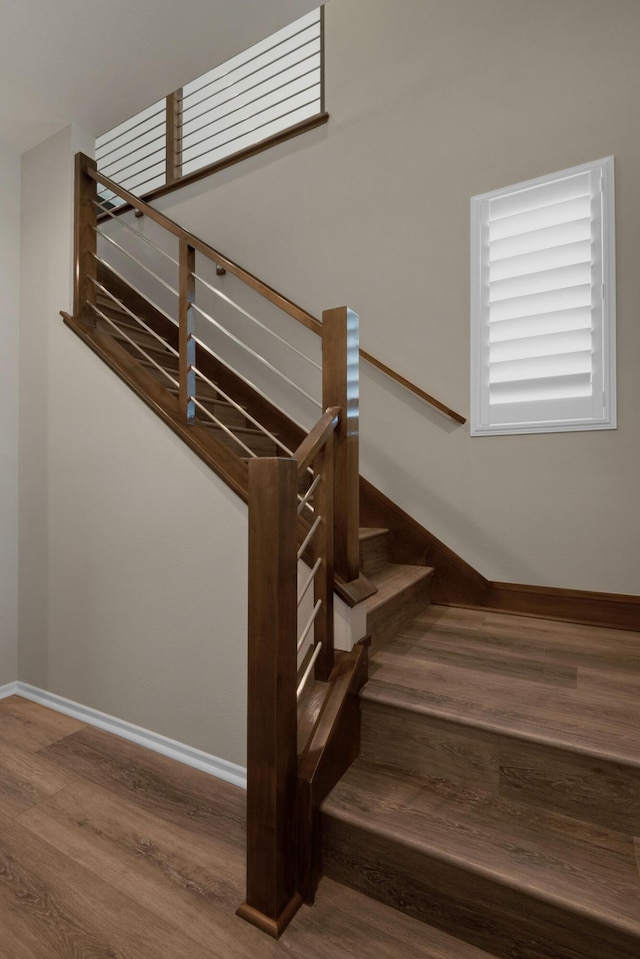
{"points": [[402, 592], [524, 722], [504, 876], [374, 551], [150, 345], [254, 439], [226, 412]]}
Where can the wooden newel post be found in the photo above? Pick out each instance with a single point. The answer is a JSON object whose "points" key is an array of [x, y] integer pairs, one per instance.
{"points": [[340, 387], [85, 238], [186, 345], [272, 897]]}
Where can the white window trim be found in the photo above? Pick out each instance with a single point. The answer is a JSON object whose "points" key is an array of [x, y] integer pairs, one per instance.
{"points": [[603, 340]]}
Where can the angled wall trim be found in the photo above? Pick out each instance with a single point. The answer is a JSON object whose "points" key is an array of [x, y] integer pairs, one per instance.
{"points": [[196, 758]]}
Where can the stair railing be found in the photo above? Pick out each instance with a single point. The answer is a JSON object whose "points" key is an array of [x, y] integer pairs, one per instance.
{"points": [[303, 529], [338, 331], [303, 515]]}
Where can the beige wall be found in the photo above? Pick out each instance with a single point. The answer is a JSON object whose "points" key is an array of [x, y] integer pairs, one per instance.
{"points": [[9, 307], [133, 554], [432, 101]]}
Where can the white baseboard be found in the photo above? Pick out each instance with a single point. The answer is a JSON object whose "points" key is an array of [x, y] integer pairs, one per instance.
{"points": [[207, 763]]}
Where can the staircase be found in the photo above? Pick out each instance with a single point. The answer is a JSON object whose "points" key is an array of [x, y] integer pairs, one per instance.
{"points": [[497, 794]]}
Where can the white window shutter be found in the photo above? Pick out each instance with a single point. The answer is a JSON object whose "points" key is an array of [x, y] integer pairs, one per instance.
{"points": [[543, 304]]}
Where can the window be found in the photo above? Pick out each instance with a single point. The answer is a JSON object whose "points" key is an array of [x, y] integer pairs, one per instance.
{"points": [[543, 304]]}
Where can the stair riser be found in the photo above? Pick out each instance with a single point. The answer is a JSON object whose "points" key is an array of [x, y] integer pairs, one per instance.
{"points": [[383, 623], [374, 553], [598, 791], [490, 914]]}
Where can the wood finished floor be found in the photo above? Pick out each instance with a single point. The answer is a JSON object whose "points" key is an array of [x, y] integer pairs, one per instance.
{"points": [[109, 851]]}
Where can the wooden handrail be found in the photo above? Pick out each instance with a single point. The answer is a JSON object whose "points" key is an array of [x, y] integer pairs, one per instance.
{"points": [[289, 307], [306, 319], [315, 440], [412, 387]]}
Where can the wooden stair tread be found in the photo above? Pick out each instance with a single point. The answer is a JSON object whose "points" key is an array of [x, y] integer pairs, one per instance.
{"points": [[394, 578], [558, 639], [371, 532], [518, 695], [588, 871]]}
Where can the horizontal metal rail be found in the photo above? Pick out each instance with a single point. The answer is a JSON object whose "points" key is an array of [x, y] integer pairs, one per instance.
{"points": [[102, 156], [312, 576], [122, 222], [101, 142], [134, 316], [259, 126], [135, 289], [310, 622], [309, 536], [256, 56], [236, 96], [302, 316], [117, 171], [237, 406], [304, 500], [227, 299], [138, 262], [252, 353], [190, 133], [222, 426], [133, 343], [305, 679], [286, 305]]}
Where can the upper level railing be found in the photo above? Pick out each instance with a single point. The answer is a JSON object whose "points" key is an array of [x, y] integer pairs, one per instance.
{"points": [[273, 89]]}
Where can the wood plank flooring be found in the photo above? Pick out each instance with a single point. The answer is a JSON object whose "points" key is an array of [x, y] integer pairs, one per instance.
{"points": [[109, 851]]}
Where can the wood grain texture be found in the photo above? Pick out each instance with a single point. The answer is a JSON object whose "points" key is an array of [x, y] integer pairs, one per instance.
{"points": [[272, 705], [60, 909], [32, 726], [401, 593], [497, 795], [138, 856], [85, 239], [27, 778], [374, 550], [485, 913], [457, 583]]}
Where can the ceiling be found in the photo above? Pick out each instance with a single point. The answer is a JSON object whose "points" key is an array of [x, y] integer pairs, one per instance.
{"points": [[96, 63]]}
